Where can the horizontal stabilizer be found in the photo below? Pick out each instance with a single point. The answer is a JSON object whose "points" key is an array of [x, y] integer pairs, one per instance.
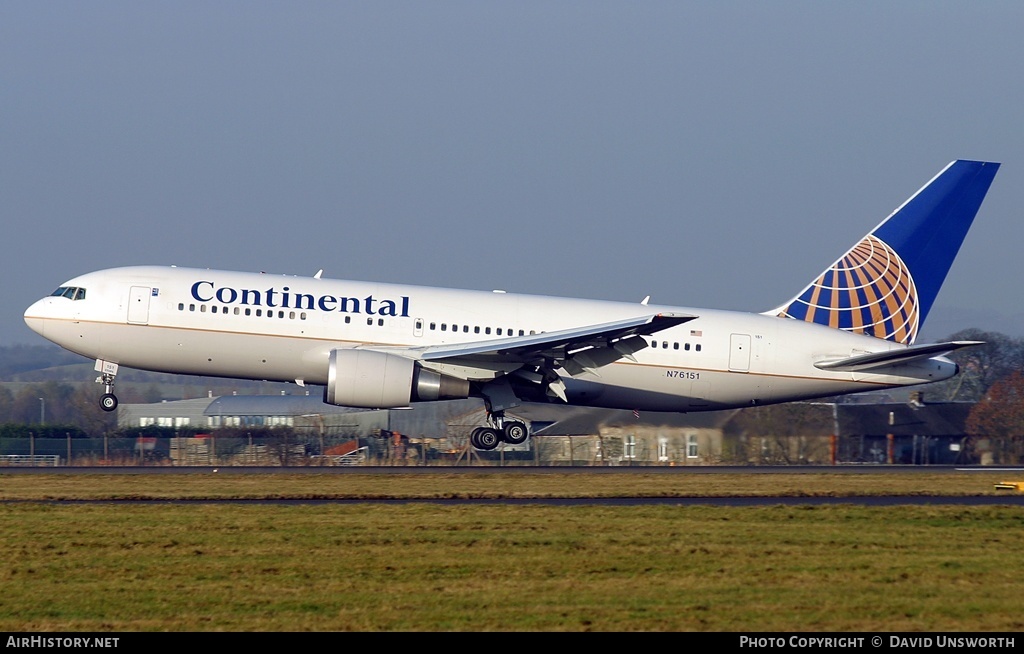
{"points": [[878, 360]]}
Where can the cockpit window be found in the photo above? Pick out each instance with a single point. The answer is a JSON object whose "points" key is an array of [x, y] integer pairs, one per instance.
{"points": [[70, 292]]}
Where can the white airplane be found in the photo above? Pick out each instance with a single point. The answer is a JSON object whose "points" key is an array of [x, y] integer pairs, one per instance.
{"points": [[852, 329]]}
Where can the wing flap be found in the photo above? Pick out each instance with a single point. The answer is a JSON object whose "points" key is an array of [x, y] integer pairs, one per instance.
{"points": [[617, 336], [536, 358]]}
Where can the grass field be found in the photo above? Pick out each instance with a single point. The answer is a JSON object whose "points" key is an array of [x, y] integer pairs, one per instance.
{"points": [[205, 484], [426, 567]]}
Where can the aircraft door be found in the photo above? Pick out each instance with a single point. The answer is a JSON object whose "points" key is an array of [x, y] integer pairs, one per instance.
{"points": [[739, 353], [138, 304]]}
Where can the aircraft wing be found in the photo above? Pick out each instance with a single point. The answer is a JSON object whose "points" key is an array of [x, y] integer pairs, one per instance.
{"points": [[576, 349], [879, 360]]}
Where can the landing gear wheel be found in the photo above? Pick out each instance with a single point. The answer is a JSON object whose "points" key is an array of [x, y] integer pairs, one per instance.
{"points": [[486, 439], [108, 402], [515, 432]]}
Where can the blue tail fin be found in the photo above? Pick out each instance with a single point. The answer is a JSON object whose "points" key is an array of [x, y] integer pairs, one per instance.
{"points": [[886, 284]]}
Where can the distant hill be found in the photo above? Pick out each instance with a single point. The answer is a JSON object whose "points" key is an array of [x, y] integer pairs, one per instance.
{"points": [[26, 359], [30, 364]]}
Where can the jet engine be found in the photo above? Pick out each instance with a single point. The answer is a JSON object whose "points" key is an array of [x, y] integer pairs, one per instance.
{"points": [[381, 380]]}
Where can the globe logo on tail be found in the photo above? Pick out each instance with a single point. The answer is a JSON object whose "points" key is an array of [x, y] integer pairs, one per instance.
{"points": [[868, 291]]}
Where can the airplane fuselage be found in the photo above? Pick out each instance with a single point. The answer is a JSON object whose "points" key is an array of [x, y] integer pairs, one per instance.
{"points": [[284, 328]]}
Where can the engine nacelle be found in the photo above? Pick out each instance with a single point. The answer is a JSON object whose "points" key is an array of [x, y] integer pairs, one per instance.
{"points": [[380, 380]]}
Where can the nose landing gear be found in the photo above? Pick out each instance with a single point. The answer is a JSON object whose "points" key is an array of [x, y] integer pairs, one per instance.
{"points": [[107, 370], [108, 402]]}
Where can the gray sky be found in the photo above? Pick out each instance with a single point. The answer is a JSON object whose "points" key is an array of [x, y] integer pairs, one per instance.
{"points": [[709, 154]]}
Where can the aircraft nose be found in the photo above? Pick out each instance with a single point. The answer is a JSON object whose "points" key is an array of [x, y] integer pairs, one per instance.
{"points": [[34, 317]]}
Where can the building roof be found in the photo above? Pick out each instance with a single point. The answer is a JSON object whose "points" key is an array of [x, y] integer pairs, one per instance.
{"points": [[129, 415], [572, 421], [907, 419], [274, 405]]}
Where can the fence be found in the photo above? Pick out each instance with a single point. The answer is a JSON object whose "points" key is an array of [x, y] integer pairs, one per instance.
{"points": [[147, 451], [206, 450], [30, 460]]}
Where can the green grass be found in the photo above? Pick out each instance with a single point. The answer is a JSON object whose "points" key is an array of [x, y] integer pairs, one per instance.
{"points": [[429, 567], [210, 485]]}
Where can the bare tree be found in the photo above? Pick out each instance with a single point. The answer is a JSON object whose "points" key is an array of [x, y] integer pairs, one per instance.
{"points": [[1000, 418], [980, 366], [792, 433], [6, 402]]}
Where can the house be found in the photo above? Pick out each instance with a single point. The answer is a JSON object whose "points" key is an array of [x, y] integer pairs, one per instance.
{"points": [[616, 438], [914, 432]]}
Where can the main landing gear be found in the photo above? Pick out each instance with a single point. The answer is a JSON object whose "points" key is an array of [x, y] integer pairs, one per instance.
{"points": [[513, 432], [107, 370]]}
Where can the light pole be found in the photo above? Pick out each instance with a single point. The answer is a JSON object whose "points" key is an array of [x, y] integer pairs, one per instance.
{"points": [[42, 411]]}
